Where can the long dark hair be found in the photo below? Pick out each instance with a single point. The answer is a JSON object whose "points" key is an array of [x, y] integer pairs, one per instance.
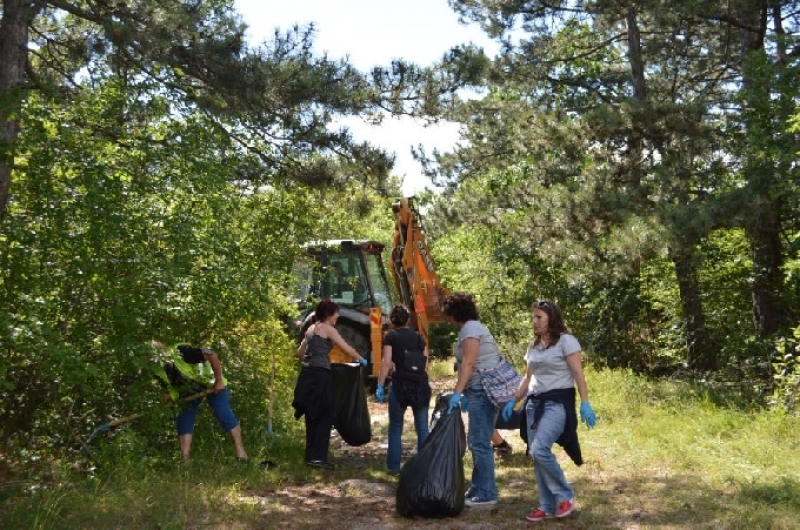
{"points": [[555, 322]]}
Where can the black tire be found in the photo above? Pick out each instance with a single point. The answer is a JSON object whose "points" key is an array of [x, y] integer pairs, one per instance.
{"points": [[358, 336]]}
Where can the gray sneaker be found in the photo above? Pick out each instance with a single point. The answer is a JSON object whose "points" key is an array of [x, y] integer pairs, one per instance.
{"points": [[477, 502]]}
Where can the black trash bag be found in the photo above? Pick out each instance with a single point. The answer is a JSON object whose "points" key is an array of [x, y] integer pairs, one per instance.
{"points": [[350, 411], [432, 481], [512, 424]]}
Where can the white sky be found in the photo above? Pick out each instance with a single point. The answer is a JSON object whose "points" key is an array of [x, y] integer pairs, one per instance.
{"points": [[370, 33]]}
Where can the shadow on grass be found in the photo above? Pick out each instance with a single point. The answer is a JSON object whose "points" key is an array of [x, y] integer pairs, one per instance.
{"points": [[785, 491], [659, 502], [360, 495]]}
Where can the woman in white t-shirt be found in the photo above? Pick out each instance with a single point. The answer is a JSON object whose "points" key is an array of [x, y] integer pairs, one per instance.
{"points": [[555, 368]]}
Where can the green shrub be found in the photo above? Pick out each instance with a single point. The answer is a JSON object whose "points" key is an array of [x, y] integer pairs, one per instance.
{"points": [[442, 337], [786, 373]]}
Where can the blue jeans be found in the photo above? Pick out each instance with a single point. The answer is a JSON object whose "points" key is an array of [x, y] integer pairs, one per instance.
{"points": [[482, 414], [396, 413], [219, 405], [553, 485]]}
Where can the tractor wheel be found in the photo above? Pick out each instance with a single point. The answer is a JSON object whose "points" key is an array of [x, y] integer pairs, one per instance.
{"points": [[358, 336]]}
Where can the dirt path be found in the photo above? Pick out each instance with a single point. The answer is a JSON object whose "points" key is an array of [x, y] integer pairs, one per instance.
{"points": [[359, 495]]}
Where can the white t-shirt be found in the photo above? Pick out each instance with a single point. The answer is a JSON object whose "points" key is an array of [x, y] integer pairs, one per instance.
{"points": [[549, 365], [488, 352]]}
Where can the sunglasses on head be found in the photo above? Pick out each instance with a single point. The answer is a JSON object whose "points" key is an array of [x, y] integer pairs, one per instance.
{"points": [[542, 303]]}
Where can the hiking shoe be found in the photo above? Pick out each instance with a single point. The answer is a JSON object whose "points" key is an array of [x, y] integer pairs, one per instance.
{"points": [[503, 449], [538, 515], [565, 508], [477, 502], [321, 464]]}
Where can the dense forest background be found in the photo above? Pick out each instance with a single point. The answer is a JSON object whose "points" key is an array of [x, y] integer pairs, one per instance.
{"points": [[636, 162]]}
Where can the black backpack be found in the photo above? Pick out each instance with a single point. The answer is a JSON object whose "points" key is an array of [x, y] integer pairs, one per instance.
{"points": [[413, 366]]}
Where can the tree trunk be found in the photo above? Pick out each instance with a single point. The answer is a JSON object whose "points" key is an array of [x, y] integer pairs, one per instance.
{"points": [[16, 17], [769, 314], [765, 223], [636, 63], [635, 56], [701, 354]]}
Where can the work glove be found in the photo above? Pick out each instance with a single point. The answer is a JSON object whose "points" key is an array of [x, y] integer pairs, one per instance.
{"points": [[587, 414], [508, 409], [363, 361], [455, 400], [464, 404], [379, 394]]}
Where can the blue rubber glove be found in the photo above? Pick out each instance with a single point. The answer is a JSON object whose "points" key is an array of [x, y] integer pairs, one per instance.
{"points": [[508, 409], [363, 361], [379, 393], [587, 414], [464, 404], [455, 400]]}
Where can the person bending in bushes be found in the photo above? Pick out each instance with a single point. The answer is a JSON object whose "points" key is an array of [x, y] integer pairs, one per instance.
{"points": [[187, 371]]}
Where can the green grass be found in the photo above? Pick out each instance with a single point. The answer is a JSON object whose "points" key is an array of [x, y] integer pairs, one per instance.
{"points": [[439, 369], [664, 455]]}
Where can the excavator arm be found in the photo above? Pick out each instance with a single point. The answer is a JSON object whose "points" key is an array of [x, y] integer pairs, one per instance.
{"points": [[413, 269]]}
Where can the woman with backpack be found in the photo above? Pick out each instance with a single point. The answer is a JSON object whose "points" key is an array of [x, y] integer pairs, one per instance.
{"points": [[405, 349]]}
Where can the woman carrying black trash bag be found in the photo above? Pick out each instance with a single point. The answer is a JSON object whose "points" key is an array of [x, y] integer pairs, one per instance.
{"points": [[475, 351], [405, 349], [313, 393]]}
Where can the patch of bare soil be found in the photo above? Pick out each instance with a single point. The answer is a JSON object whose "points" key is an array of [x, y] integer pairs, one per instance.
{"points": [[358, 494]]}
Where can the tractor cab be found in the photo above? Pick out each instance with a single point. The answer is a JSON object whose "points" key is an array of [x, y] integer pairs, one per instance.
{"points": [[350, 273]]}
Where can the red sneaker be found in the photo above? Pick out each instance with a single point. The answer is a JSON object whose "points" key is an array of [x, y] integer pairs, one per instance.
{"points": [[538, 515], [565, 508]]}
